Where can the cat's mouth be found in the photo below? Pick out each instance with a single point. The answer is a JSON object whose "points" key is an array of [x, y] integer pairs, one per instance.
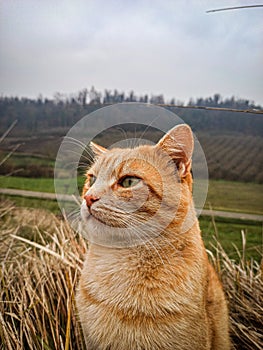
{"points": [[97, 218], [90, 214], [87, 214]]}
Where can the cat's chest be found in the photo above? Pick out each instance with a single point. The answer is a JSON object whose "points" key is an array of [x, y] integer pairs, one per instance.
{"points": [[134, 285], [119, 275]]}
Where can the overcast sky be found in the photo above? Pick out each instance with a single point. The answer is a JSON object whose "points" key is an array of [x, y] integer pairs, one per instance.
{"points": [[149, 46]]}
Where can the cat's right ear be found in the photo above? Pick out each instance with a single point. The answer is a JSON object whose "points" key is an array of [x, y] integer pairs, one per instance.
{"points": [[97, 149], [178, 143]]}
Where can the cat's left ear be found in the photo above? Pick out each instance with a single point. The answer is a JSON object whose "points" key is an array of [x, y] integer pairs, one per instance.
{"points": [[97, 149], [178, 143]]}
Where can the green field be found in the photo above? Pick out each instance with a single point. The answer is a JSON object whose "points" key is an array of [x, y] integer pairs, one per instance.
{"points": [[228, 232], [222, 195], [27, 183], [235, 196], [32, 184]]}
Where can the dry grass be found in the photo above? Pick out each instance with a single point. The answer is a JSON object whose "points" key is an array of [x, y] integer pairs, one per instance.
{"points": [[41, 258], [243, 285], [38, 277]]}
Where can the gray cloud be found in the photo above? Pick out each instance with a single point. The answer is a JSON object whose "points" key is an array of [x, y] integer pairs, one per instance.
{"points": [[170, 47]]}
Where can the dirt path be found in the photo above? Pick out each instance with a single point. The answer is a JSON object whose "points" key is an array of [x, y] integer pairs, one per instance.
{"points": [[232, 215], [53, 196], [34, 194]]}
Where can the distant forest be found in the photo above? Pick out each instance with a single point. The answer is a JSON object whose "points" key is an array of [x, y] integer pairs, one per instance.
{"points": [[232, 141], [62, 111]]}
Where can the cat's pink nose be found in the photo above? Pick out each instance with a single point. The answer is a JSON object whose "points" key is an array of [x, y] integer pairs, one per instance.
{"points": [[90, 199]]}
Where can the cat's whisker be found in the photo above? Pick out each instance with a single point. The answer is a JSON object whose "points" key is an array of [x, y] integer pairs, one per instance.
{"points": [[83, 148], [74, 215], [152, 229], [125, 136], [76, 142], [87, 156], [74, 212], [79, 154], [144, 132], [146, 237], [77, 165], [142, 240]]}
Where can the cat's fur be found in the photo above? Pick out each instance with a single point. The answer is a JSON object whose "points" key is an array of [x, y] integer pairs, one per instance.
{"points": [[162, 294]]}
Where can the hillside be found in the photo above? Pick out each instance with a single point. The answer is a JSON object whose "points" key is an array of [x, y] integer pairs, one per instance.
{"points": [[232, 142]]}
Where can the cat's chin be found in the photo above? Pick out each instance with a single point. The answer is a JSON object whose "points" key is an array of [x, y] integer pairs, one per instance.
{"points": [[100, 233], [96, 232], [92, 223]]}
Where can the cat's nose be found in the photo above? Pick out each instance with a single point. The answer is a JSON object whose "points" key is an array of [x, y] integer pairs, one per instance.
{"points": [[90, 199]]}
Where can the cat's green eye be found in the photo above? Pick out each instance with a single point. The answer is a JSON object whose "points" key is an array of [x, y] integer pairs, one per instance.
{"points": [[129, 181], [92, 180]]}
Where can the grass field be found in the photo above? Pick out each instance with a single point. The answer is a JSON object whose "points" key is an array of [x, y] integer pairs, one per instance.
{"points": [[27, 183], [41, 259], [235, 196], [222, 195], [228, 231]]}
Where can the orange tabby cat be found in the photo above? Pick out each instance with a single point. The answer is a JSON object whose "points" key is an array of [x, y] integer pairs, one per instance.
{"points": [[146, 282]]}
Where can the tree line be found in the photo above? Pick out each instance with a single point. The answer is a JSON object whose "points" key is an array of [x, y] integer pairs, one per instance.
{"points": [[64, 110]]}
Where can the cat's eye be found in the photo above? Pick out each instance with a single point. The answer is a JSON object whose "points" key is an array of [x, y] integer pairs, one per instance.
{"points": [[129, 181], [92, 180]]}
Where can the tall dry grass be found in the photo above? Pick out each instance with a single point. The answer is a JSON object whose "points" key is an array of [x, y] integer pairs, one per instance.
{"points": [[41, 258]]}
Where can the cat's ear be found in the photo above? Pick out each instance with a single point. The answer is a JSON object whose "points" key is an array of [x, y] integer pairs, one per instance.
{"points": [[178, 143], [97, 149]]}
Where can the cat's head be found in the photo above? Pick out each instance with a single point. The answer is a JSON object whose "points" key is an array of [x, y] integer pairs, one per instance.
{"points": [[133, 195]]}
